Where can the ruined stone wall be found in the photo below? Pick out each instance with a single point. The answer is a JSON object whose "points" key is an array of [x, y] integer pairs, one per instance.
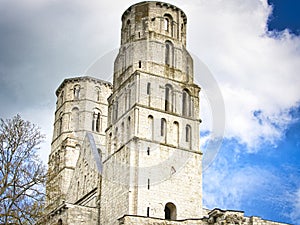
{"points": [[231, 218]]}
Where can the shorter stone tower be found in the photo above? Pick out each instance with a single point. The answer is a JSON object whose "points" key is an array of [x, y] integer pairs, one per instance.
{"points": [[81, 107]]}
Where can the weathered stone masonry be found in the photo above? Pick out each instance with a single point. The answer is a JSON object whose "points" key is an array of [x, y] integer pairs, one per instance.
{"points": [[128, 153]]}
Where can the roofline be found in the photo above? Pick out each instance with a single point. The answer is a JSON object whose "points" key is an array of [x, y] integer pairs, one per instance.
{"points": [[81, 78], [168, 5]]}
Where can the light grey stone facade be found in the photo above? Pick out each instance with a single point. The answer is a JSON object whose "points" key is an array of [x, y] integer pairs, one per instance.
{"points": [[128, 153]]}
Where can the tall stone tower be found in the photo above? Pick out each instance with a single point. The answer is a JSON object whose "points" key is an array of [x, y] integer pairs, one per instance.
{"points": [[81, 107], [152, 165]]}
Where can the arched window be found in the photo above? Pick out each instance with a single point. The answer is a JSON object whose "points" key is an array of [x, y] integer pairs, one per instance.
{"points": [[169, 53], [170, 211], [163, 127], [98, 93], [186, 103], [75, 119], [168, 98], [97, 121], [109, 143], [128, 128], [176, 132], [151, 127], [168, 24], [76, 92], [128, 30], [188, 134]]}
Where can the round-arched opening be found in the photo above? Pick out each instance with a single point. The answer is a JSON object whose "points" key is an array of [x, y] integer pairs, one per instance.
{"points": [[170, 211]]}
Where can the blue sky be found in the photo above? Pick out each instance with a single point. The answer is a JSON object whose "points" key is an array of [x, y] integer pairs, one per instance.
{"points": [[252, 49], [265, 181]]}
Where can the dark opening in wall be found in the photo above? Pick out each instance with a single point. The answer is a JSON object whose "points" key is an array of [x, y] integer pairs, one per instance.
{"points": [[170, 211]]}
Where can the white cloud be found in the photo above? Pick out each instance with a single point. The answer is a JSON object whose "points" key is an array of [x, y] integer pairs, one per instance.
{"points": [[295, 201], [256, 70]]}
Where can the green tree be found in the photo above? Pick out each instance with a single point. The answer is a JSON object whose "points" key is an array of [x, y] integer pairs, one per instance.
{"points": [[22, 173]]}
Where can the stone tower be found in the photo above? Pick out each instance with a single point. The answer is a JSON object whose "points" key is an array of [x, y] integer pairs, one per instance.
{"points": [[153, 161], [81, 107], [128, 153]]}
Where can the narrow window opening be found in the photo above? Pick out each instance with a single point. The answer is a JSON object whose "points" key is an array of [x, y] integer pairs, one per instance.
{"points": [[128, 30], [76, 91], [148, 88], [139, 34], [148, 184], [186, 103], [98, 122], [151, 127], [84, 184], [148, 151], [167, 54], [59, 222], [187, 133], [176, 132], [162, 127], [78, 185], [98, 92], [166, 24], [60, 125], [148, 211], [128, 128], [93, 122], [109, 143], [168, 98], [115, 110], [140, 64]]}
